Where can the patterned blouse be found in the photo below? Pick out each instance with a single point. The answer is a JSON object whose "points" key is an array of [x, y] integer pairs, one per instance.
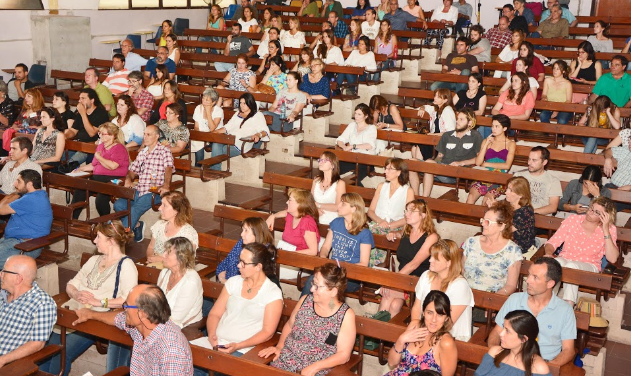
{"points": [[313, 338], [32, 123], [229, 264], [412, 362], [6, 109], [488, 272], [158, 233], [277, 81], [236, 77], [173, 135], [45, 148], [524, 223]]}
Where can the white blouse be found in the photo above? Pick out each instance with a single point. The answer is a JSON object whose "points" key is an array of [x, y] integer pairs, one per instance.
{"points": [[255, 124], [185, 298], [293, 41], [367, 60], [198, 116], [102, 285], [367, 136], [135, 126], [334, 56]]}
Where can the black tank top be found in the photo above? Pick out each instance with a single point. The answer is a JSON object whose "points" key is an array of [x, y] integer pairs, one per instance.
{"points": [[407, 251], [588, 74]]}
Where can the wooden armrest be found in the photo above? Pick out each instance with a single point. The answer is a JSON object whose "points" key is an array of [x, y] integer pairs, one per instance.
{"points": [[78, 205], [44, 353], [120, 371], [253, 354], [61, 298], [33, 244], [194, 330], [108, 217], [214, 160], [20, 367]]}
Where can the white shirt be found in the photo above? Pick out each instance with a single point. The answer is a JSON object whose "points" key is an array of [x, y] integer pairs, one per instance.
{"points": [[371, 31], [334, 56], [198, 116], [246, 25], [255, 124], [293, 41], [367, 60], [451, 15], [243, 317], [185, 298], [367, 136], [135, 127]]}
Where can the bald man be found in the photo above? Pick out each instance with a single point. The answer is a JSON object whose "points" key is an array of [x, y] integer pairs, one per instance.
{"points": [[147, 312], [27, 313]]}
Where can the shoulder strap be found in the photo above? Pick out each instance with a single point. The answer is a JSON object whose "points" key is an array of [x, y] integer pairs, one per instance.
{"points": [[118, 275]]}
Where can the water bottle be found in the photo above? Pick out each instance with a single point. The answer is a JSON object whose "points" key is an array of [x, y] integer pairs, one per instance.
{"points": [[283, 110], [154, 180]]}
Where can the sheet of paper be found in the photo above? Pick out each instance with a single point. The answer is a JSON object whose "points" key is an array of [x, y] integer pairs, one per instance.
{"points": [[78, 173], [202, 342], [286, 246]]}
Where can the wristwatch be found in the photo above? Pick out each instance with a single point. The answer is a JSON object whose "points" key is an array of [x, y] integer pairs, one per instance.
{"points": [[354, 147]]}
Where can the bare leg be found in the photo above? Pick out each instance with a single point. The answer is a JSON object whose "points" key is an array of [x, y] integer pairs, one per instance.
{"points": [[428, 184], [414, 182], [474, 195]]}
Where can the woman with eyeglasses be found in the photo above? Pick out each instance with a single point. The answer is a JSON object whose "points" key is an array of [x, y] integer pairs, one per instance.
{"points": [[274, 49], [176, 133], [492, 261], [580, 192], [111, 161], [426, 344], [315, 84], [413, 252], [176, 220], [327, 188], [171, 95], [49, 143], [585, 69], [589, 242], [320, 333], [103, 282], [129, 122], [250, 305]]}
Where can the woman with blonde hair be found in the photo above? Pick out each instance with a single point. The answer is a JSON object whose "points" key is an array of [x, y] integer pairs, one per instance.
{"points": [[111, 161], [294, 37], [351, 40], [28, 120], [445, 274], [301, 223], [215, 18], [176, 220], [604, 114], [417, 237], [327, 187]]}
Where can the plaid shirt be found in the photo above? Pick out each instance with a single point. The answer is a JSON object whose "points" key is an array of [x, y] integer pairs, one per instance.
{"points": [[30, 317], [499, 39], [165, 352], [340, 30], [155, 162], [622, 175], [143, 99]]}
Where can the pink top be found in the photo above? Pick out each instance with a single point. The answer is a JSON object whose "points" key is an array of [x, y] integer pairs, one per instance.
{"points": [[116, 153], [296, 236], [580, 246], [510, 108]]}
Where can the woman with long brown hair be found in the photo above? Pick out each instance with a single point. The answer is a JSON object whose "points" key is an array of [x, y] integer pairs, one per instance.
{"points": [[49, 143], [386, 43], [327, 49], [156, 85], [355, 31], [327, 187], [303, 66], [171, 95], [517, 102], [385, 115], [129, 122]]}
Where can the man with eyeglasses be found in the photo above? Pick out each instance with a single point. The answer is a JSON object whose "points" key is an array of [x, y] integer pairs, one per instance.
{"points": [[399, 18], [31, 214], [160, 348], [545, 188], [116, 80], [28, 313], [162, 57], [142, 97], [133, 61]]}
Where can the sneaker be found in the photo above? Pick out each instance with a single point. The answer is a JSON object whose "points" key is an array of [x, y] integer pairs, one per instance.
{"points": [[139, 232]]}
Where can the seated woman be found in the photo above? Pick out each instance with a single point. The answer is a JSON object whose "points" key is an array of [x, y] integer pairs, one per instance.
{"points": [[249, 24], [239, 78], [7, 106], [360, 10], [385, 115], [111, 161], [288, 105], [348, 238], [537, 70], [327, 50], [275, 49], [275, 76], [442, 118], [557, 89], [496, 154], [445, 274], [171, 95], [492, 261], [303, 66], [518, 196], [519, 353], [247, 123], [413, 253], [208, 116], [580, 192], [315, 84], [327, 187], [360, 136], [320, 333], [426, 344], [521, 66], [156, 85], [301, 223], [603, 113], [250, 305], [588, 242], [294, 37], [518, 101], [27, 120], [354, 32], [176, 220], [511, 51], [176, 133], [174, 51], [95, 286], [61, 103], [474, 97], [253, 230], [129, 122], [361, 57], [386, 43], [586, 69], [50, 142], [266, 19]]}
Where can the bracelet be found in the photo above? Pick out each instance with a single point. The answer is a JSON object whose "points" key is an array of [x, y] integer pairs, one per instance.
{"points": [[505, 292], [106, 303], [607, 237], [394, 347]]}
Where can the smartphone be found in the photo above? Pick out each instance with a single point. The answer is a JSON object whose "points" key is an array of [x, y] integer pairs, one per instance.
{"points": [[221, 346]]}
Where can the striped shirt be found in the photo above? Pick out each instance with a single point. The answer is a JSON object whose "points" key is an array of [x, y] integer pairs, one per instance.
{"points": [[117, 82]]}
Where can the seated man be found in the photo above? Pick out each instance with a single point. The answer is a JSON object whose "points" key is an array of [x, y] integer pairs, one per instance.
{"points": [[500, 36], [340, 29], [160, 348], [553, 27], [104, 94], [399, 18], [480, 46], [371, 26], [133, 61], [455, 148], [143, 100], [19, 83], [236, 44], [116, 80], [545, 188], [465, 13], [458, 63], [153, 168], [17, 161], [556, 319], [618, 164], [515, 22], [162, 57], [87, 120], [566, 13], [28, 312], [616, 84], [31, 214]]}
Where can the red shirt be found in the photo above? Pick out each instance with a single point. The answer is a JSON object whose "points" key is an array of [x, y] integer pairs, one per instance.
{"points": [[296, 236]]}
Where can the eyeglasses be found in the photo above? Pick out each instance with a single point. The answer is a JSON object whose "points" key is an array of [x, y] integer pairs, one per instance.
{"points": [[317, 287], [591, 209], [323, 160], [486, 222], [8, 271], [242, 263], [127, 306]]}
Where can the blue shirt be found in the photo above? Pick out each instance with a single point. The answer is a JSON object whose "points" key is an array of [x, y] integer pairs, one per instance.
{"points": [[32, 218], [229, 264], [400, 19], [557, 322], [345, 246], [322, 87], [152, 64], [340, 30], [566, 14], [528, 15], [133, 61]]}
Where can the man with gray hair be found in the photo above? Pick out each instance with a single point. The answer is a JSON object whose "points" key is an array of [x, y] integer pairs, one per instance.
{"points": [[28, 312], [160, 348], [105, 95], [142, 97], [133, 61], [162, 57]]}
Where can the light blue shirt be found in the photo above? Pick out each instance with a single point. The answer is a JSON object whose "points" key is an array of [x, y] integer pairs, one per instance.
{"points": [[557, 322], [133, 61], [566, 14]]}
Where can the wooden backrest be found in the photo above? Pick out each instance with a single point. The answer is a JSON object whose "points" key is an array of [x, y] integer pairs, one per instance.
{"points": [[225, 139], [577, 277], [60, 180], [85, 147]]}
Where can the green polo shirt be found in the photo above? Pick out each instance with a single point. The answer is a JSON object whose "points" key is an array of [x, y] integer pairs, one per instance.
{"points": [[619, 91], [105, 96]]}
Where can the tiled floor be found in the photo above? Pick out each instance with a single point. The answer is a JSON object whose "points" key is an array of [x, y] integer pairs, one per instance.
{"points": [[618, 361]]}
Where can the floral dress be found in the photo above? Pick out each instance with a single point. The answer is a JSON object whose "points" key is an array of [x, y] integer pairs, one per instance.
{"points": [[235, 81], [411, 362], [492, 156], [46, 148], [488, 272]]}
